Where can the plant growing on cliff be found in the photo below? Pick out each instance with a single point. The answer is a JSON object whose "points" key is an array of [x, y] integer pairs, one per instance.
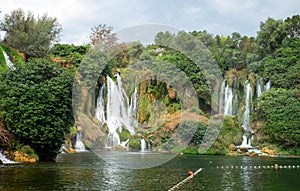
{"points": [[36, 105]]}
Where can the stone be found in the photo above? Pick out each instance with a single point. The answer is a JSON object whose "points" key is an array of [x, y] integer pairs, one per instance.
{"points": [[268, 151], [1, 162], [232, 147], [251, 154], [244, 149]]}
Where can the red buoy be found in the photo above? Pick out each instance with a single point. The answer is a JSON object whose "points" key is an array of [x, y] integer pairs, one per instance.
{"points": [[190, 173]]}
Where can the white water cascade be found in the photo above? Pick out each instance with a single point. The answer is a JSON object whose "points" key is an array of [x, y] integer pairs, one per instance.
{"points": [[228, 100], [221, 98], [246, 114], [267, 86], [120, 112], [143, 145], [9, 64], [5, 160], [246, 142], [79, 146], [259, 88]]}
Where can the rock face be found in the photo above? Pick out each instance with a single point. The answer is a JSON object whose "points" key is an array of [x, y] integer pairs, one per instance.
{"points": [[232, 147], [268, 151], [21, 157]]}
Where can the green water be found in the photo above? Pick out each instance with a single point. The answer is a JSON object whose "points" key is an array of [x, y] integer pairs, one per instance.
{"points": [[86, 171]]}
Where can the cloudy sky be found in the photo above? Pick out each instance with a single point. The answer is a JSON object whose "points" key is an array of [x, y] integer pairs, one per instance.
{"points": [[216, 16]]}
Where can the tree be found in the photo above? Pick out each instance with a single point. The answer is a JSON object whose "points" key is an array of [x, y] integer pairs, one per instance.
{"points": [[280, 110], [36, 105], [103, 36], [31, 36]]}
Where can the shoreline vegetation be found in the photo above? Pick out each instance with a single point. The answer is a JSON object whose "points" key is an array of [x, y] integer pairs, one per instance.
{"points": [[36, 111]]}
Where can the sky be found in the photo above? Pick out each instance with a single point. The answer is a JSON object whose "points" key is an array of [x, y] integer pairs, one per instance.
{"points": [[222, 17]]}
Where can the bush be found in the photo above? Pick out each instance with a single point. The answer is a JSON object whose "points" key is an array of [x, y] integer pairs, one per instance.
{"points": [[280, 111], [36, 105]]}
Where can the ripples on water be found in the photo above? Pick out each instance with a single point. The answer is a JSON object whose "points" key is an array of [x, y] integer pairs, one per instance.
{"points": [[86, 171]]}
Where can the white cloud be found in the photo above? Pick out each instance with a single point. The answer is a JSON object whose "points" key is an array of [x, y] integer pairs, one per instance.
{"points": [[216, 16]]}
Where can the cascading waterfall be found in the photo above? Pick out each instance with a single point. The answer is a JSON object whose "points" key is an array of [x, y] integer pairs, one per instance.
{"points": [[79, 146], [5, 160], [9, 64], [246, 114], [221, 98], [267, 86], [143, 145], [228, 100], [120, 113], [259, 88], [100, 114]]}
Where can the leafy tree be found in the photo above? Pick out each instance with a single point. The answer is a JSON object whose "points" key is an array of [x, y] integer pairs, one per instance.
{"points": [[163, 38], [281, 66], [31, 36], [70, 53], [102, 35], [36, 105]]}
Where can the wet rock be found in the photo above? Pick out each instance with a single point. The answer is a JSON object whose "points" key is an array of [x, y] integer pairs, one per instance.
{"points": [[268, 151], [251, 154], [21, 157], [232, 147], [243, 149]]}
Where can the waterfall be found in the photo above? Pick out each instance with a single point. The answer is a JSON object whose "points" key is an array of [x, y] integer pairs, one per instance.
{"points": [[143, 145], [5, 160], [267, 86], [221, 98], [259, 88], [9, 64], [246, 114], [246, 142], [79, 146], [120, 112], [228, 100], [100, 114]]}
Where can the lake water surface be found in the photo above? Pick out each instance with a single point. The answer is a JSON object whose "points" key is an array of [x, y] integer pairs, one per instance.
{"points": [[86, 171]]}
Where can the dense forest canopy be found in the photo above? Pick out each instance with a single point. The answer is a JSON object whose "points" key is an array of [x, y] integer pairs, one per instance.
{"points": [[35, 98]]}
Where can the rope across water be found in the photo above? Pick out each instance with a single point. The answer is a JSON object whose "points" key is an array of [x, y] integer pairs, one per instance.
{"points": [[185, 180]]}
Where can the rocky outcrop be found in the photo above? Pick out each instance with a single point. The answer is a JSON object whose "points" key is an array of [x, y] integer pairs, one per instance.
{"points": [[268, 151]]}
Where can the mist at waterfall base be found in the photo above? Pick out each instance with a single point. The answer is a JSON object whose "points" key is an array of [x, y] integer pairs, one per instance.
{"points": [[119, 113], [228, 105]]}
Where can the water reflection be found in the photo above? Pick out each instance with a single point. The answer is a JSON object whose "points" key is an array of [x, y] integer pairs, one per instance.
{"points": [[86, 171]]}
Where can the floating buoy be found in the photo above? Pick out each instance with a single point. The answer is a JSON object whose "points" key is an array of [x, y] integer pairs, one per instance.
{"points": [[190, 173], [276, 166]]}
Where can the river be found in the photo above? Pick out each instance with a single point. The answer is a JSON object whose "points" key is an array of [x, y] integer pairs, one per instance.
{"points": [[86, 171]]}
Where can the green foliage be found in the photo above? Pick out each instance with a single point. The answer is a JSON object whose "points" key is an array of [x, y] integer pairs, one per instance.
{"points": [[280, 110], [71, 53], [29, 151], [29, 35], [144, 106], [35, 101], [230, 133], [124, 134], [135, 142], [282, 66]]}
